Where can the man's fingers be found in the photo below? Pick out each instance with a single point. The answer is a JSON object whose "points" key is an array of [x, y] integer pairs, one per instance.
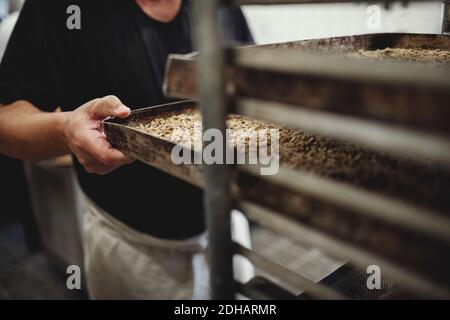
{"points": [[91, 165], [101, 150], [85, 159], [109, 106], [98, 168], [86, 140], [107, 169], [114, 156]]}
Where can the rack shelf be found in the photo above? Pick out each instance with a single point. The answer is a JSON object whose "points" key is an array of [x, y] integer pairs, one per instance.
{"points": [[398, 108], [363, 225], [258, 81]]}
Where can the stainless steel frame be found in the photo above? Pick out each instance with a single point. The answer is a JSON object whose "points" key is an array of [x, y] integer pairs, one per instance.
{"points": [[217, 185], [217, 177], [396, 225]]}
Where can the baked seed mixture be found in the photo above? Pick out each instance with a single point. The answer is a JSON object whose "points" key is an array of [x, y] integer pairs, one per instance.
{"points": [[433, 56], [329, 158]]}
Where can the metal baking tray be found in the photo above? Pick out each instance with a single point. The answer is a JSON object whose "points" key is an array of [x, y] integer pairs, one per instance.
{"points": [[147, 148], [403, 234], [401, 93]]}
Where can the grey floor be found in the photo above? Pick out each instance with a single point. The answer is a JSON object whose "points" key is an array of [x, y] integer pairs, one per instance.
{"points": [[28, 276], [314, 265], [309, 262]]}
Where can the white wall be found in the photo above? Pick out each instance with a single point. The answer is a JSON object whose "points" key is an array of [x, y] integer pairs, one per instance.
{"points": [[296, 22]]}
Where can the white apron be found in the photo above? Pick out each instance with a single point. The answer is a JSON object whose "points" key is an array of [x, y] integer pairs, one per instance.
{"points": [[122, 263]]}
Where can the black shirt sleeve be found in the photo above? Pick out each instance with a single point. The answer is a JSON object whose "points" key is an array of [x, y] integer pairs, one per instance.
{"points": [[26, 71]]}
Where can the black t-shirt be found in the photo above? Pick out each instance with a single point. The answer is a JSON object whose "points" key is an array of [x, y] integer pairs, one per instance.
{"points": [[118, 51]]}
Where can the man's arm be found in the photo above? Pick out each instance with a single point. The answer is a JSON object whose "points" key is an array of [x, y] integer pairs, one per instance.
{"points": [[30, 134]]}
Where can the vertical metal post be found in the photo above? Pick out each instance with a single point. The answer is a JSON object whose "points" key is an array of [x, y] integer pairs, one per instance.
{"points": [[217, 176], [446, 18]]}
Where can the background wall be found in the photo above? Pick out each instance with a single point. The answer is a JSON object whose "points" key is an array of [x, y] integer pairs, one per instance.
{"points": [[296, 22]]}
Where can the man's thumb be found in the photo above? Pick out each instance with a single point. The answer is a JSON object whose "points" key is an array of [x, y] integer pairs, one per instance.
{"points": [[110, 106]]}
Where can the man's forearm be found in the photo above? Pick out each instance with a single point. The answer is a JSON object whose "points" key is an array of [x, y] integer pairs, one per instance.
{"points": [[30, 134]]}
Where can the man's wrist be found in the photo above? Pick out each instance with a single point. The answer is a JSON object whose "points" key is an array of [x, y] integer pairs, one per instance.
{"points": [[62, 119]]}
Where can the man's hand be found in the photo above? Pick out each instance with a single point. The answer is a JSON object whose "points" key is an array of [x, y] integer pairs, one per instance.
{"points": [[82, 133]]}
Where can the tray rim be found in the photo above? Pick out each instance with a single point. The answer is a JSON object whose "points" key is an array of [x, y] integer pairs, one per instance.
{"points": [[139, 112]]}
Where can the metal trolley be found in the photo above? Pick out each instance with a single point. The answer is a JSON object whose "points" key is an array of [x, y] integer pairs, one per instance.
{"points": [[222, 93], [396, 109]]}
